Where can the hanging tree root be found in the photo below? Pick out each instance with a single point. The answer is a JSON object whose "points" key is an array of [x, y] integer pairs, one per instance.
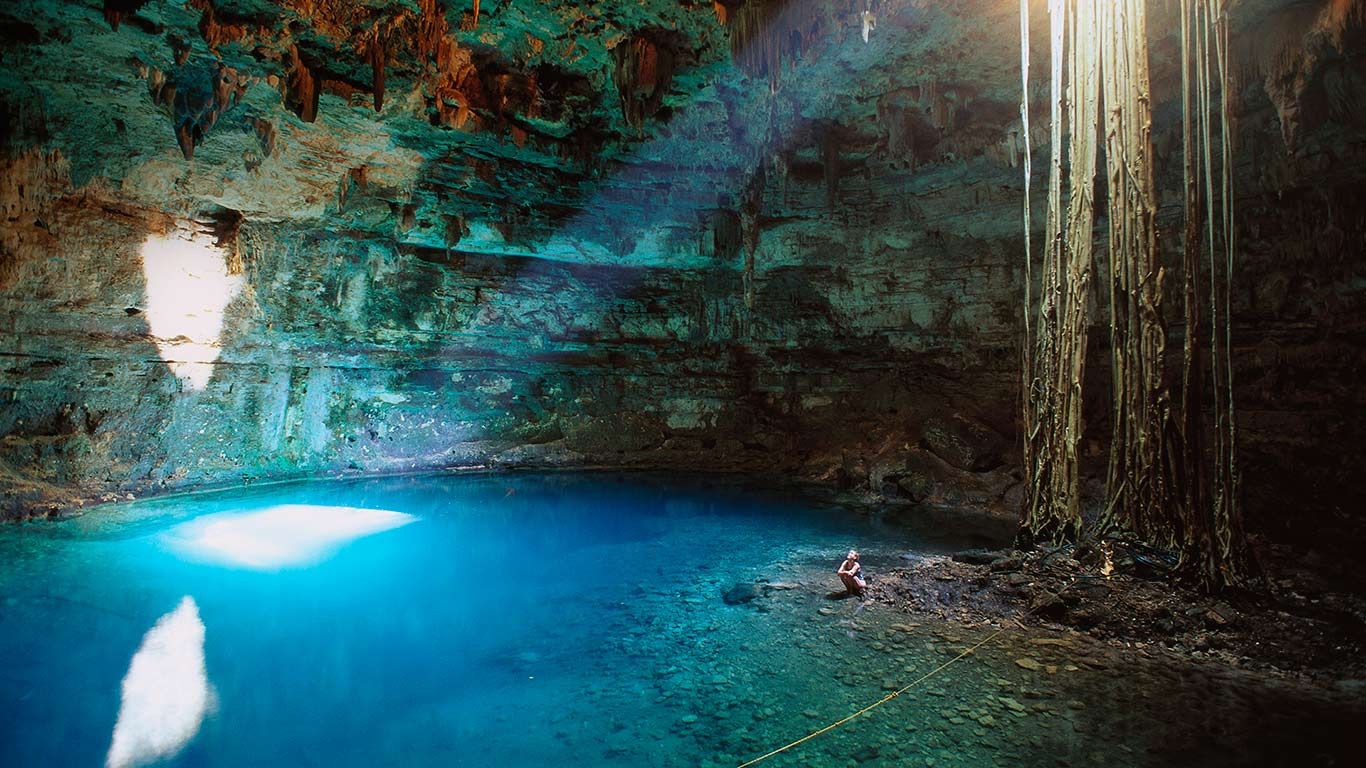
{"points": [[1156, 478]]}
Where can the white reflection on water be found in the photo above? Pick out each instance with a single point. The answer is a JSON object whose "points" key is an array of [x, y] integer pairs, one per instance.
{"points": [[279, 536], [165, 693]]}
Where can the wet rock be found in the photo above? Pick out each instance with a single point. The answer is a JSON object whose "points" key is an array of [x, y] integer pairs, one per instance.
{"points": [[865, 754], [916, 485], [977, 556], [1004, 564], [741, 594], [613, 434], [1220, 614], [1352, 687], [1047, 606], [963, 442], [1094, 591], [1012, 704], [1088, 615]]}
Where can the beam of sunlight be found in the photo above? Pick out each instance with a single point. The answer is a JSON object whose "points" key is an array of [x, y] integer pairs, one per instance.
{"points": [[188, 290], [165, 693], [277, 537]]}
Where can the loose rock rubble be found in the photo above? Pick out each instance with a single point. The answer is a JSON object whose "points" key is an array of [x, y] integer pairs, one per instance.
{"points": [[1287, 623]]}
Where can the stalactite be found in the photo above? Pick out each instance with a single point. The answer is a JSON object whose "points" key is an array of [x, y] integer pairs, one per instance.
{"points": [[302, 88], [180, 48], [766, 35], [378, 59], [198, 94], [390, 24], [214, 32], [115, 10], [432, 30], [643, 73], [226, 226], [449, 67], [722, 11], [265, 134]]}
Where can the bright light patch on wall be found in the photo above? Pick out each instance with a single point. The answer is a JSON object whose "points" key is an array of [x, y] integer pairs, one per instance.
{"points": [[284, 536], [165, 693], [188, 289]]}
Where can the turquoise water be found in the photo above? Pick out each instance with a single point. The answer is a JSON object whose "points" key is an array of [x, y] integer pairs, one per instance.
{"points": [[563, 620]]}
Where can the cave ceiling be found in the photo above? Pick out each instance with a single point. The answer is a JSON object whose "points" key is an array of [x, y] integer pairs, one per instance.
{"points": [[600, 132]]}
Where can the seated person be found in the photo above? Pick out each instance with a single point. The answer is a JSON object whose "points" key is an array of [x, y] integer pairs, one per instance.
{"points": [[851, 573]]}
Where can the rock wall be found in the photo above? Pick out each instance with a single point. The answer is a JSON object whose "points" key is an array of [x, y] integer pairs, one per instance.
{"points": [[146, 352], [338, 354], [269, 239]]}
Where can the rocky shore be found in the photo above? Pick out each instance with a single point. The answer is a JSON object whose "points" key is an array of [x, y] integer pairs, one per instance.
{"points": [[1293, 621]]}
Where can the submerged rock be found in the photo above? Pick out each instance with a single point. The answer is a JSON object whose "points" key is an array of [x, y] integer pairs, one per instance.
{"points": [[866, 754], [741, 594], [1012, 704]]}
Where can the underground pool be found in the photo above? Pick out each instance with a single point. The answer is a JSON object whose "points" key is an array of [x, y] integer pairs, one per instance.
{"points": [[562, 620]]}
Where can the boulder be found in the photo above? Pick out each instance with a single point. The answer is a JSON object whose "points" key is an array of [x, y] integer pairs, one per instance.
{"points": [[963, 442], [978, 556], [915, 485], [923, 476], [1006, 564]]}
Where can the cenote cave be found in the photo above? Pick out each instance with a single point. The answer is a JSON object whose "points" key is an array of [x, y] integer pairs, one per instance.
{"points": [[856, 383]]}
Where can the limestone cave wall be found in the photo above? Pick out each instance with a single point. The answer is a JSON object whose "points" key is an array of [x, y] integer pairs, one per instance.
{"points": [[251, 240]]}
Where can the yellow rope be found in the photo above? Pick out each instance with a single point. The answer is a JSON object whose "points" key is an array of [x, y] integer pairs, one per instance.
{"points": [[895, 693]]}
